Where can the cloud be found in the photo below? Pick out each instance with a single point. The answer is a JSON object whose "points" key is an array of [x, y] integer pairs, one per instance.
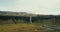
{"points": [[34, 6]]}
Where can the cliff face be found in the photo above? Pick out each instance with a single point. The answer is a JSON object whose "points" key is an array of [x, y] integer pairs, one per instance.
{"points": [[26, 17]]}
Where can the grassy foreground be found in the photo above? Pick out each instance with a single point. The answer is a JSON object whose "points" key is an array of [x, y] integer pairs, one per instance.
{"points": [[22, 28], [18, 28]]}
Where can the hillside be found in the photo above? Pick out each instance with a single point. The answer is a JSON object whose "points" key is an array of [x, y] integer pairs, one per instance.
{"points": [[20, 22]]}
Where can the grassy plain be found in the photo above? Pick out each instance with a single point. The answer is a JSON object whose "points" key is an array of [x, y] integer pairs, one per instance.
{"points": [[23, 27]]}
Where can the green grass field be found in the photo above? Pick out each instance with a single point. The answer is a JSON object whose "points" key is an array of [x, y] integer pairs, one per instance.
{"points": [[23, 27], [9, 26]]}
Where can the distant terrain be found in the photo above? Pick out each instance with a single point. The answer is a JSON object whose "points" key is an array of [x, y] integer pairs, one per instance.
{"points": [[28, 22]]}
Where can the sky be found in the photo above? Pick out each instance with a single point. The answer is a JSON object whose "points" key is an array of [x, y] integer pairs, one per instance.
{"points": [[49, 7]]}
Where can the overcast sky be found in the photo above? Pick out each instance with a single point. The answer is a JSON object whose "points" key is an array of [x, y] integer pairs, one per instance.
{"points": [[32, 6]]}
